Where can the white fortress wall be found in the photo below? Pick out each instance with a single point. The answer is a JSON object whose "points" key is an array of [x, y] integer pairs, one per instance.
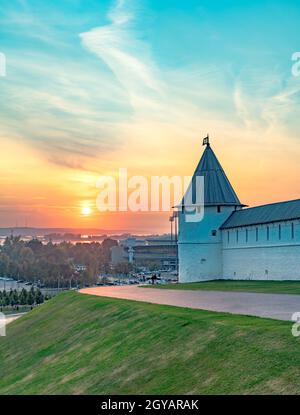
{"points": [[268, 251]]}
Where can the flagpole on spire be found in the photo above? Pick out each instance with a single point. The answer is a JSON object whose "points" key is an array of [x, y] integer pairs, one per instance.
{"points": [[206, 140]]}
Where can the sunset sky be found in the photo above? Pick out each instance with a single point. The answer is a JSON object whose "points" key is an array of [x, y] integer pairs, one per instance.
{"points": [[94, 86]]}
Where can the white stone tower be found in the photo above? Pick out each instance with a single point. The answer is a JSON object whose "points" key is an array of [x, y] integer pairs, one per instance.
{"points": [[200, 243]]}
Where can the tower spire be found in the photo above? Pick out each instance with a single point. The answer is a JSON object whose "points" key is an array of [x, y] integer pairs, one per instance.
{"points": [[217, 188]]}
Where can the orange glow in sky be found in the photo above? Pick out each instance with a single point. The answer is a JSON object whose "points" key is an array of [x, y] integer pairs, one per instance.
{"points": [[36, 192]]}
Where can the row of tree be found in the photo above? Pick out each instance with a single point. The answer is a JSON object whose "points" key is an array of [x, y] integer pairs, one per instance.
{"points": [[52, 264], [16, 298]]}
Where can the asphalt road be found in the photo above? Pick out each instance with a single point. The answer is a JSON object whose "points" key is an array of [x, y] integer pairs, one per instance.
{"points": [[275, 306]]}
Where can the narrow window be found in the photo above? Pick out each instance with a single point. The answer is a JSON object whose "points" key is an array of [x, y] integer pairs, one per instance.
{"points": [[227, 236], [268, 233], [279, 231], [246, 235], [237, 236], [218, 209], [256, 234], [293, 230]]}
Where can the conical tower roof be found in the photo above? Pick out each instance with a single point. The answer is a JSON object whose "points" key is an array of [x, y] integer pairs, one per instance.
{"points": [[217, 188]]}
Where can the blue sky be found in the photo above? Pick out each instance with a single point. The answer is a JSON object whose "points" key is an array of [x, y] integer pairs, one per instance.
{"points": [[187, 46], [93, 83]]}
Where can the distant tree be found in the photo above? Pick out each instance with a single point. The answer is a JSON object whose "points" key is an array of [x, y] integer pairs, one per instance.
{"points": [[30, 298], [123, 268], [5, 298], [4, 264], [107, 244], [1, 301], [39, 298], [10, 296], [49, 262], [23, 297], [14, 299], [47, 297], [35, 245]]}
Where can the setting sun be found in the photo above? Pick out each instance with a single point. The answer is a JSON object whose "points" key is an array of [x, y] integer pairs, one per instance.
{"points": [[86, 211]]}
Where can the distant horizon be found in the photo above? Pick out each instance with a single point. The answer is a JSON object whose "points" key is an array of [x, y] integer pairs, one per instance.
{"points": [[165, 230], [88, 231]]}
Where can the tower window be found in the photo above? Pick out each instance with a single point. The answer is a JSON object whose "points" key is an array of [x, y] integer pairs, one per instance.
{"points": [[279, 231], [214, 232], [268, 233], [219, 209], [292, 231], [237, 236], [256, 234], [227, 236], [246, 235]]}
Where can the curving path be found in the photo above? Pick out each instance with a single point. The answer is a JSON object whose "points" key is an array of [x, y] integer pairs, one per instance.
{"points": [[12, 317], [275, 306]]}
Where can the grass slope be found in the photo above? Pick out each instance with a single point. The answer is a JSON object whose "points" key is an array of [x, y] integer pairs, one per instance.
{"points": [[274, 287], [77, 344]]}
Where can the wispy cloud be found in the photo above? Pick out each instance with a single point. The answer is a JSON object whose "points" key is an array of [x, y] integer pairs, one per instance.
{"points": [[127, 56], [265, 101], [179, 98], [62, 107]]}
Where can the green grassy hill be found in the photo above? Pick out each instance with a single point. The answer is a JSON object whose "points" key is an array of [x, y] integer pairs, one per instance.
{"points": [[77, 344], [274, 287]]}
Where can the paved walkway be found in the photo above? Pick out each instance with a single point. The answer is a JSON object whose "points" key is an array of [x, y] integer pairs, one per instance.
{"points": [[276, 306], [12, 317]]}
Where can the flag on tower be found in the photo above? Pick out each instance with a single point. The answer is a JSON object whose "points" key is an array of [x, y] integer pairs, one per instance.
{"points": [[206, 140]]}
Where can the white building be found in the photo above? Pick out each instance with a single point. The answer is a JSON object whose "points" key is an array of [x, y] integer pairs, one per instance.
{"points": [[234, 242]]}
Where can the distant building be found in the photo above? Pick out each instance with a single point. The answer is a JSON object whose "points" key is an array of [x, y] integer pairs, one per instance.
{"points": [[234, 242], [118, 254], [159, 253], [160, 256]]}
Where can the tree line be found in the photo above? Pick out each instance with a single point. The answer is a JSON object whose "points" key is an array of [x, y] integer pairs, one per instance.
{"points": [[16, 298], [63, 264]]}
